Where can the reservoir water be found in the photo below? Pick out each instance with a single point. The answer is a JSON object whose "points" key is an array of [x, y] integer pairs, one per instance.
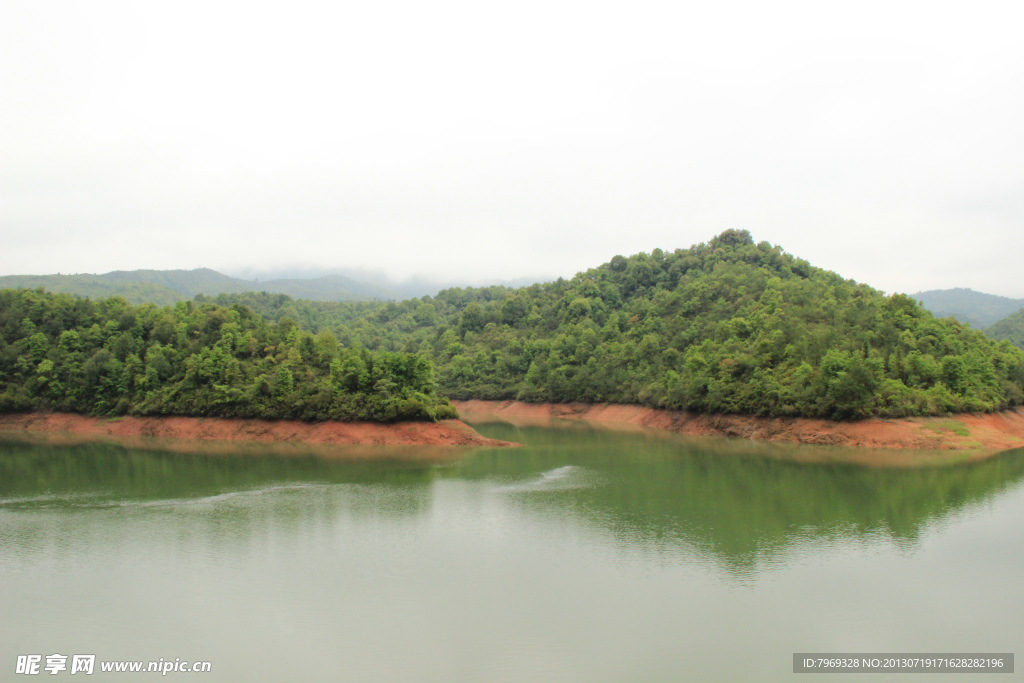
{"points": [[587, 555]]}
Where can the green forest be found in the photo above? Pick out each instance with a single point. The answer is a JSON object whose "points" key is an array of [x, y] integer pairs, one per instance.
{"points": [[728, 326], [64, 353]]}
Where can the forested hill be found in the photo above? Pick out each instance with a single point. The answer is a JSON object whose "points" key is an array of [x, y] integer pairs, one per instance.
{"points": [[1010, 328], [725, 326], [59, 352], [977, 308], [167, 287]]}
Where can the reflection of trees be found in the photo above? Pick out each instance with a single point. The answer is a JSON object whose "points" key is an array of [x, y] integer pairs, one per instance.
{"points": [[739, 502], [111, 496], [736, 501], [121, 473]]}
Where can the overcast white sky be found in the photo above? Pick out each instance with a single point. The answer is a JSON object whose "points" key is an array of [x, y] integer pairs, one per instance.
{"points": [[883, 140]]}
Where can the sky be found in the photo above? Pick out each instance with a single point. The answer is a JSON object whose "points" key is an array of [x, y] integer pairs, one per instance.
{"points": [[498, 140]]}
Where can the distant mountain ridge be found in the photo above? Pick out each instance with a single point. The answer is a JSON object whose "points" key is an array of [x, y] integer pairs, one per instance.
{"points": [[166, 287], [977, 308], [410, 288]]}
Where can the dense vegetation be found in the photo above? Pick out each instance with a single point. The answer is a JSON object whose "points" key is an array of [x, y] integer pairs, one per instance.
{"points": [[727, 326], [977, 308], [107, 357], [167, 287], [1010, 328]]}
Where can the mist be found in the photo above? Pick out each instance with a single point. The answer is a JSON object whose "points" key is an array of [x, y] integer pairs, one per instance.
{"points": [[459, 142]]}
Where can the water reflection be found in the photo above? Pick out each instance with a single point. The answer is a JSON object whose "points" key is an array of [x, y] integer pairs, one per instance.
{"points": [[104, 494], [586, 555], [739, 501], [51, 474]]}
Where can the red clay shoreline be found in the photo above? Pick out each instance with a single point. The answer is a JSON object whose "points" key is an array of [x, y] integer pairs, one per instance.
{"points": [[331, 433], [991, 432], [994, 431]]}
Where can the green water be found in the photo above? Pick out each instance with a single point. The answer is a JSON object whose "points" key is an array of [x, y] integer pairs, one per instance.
{"points": [[585, 556]]}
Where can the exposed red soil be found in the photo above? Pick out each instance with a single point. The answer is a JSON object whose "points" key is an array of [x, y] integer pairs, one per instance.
{"points": [[444, 433], [992, 432]]}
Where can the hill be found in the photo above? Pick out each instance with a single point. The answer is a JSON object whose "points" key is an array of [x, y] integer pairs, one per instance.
{"points": [[167, 287], [727, 326], [979, 309], [1010, 328]]}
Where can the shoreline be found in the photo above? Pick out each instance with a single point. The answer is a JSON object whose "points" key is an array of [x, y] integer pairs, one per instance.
{"points": [[330, 433], [992, 431]]}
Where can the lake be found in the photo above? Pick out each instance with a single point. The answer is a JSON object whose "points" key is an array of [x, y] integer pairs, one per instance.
{"points": [[587, 555]]}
